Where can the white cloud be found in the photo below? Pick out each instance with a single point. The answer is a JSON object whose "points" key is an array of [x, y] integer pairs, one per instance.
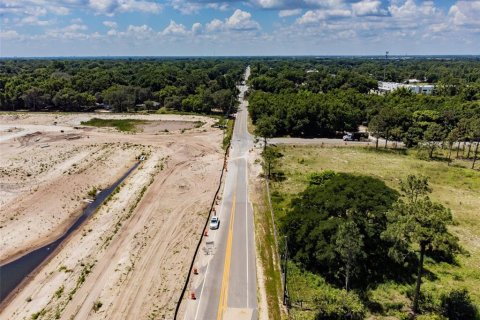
{"points": [[186, 7], [465, 14], [197, 28], [9, 35], [214, 25], [35, 21], [110, 24], [59, 10], [139, 29], [410, 10], [70, 32], [139, 5], [289, 13], [222, 6], [75, 27], [175, 29], [315, 16], [241, 20], [64, 7], [367, 7], [269, 4]]}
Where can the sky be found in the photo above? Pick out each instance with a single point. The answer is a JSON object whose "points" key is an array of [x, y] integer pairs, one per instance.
{"points": [[38, 28]]}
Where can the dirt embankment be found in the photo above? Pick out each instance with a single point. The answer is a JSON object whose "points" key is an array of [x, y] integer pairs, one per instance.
{"points": [[129, 260]]}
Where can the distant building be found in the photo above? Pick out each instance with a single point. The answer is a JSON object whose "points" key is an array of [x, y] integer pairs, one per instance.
{"points": [[415, 88], [411, 81]]}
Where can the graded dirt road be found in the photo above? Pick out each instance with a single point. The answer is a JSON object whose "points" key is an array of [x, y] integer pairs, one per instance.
{"points": [[129, 260]]}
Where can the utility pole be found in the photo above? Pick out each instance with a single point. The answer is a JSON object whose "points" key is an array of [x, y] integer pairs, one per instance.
{"points": [[385, 67], [285, 266]]}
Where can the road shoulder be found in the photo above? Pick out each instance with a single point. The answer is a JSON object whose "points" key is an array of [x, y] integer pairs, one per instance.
{"points": [[269, 287]]}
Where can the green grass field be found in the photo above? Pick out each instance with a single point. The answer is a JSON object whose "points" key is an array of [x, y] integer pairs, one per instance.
{"points": [[228, 133], [126, 125], [457, 188]]}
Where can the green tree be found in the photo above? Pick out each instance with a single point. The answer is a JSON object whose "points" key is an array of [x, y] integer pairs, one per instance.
{"points": [[266, 129], [474, 132], [349, 246], [375, 128], [385, 122], [193, 103], [121, 98], [270, 159], [414, 187], [452, 137], [32, 98], [416, 223], [316, 214], [223, 99], [432, 137]]}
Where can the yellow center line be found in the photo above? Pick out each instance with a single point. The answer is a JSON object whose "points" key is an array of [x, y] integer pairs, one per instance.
{"points": [[222, 306]]}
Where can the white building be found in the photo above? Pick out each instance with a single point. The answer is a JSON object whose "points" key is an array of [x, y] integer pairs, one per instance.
{"points": [[416, 88]]}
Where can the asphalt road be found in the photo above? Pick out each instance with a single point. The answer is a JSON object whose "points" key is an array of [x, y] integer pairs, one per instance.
{"points": [[226, 286]]}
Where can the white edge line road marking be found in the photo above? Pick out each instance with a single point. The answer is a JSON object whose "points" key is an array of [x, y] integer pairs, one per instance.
{"points": [[208, 263], [246, 217], [221, 212]]}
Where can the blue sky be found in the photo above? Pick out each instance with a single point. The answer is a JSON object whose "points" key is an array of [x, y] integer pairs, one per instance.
{"points": [[249, 27]]}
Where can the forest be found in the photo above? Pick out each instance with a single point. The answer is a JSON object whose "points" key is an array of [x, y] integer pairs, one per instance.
{"points": [[123, 85], [327, 97]]}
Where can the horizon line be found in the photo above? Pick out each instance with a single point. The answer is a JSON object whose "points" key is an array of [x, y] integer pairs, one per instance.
{"points": [[241, 56]]}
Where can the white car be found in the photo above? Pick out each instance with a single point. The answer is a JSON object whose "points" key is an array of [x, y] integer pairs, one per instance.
{"points": [[214, 223]]}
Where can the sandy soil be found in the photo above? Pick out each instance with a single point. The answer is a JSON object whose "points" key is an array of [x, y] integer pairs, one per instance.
{"points": [[131, 257]]}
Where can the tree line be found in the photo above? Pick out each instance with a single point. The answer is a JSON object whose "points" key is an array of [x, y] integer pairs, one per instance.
{"points": [[187, 85], [327, 97]]}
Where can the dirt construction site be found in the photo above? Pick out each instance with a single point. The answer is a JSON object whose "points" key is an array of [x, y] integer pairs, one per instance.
{"points": [[129, 260]]}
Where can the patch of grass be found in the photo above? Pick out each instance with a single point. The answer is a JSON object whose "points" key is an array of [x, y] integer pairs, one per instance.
{"points": [[126, 125], [92, 192], [59, 292], [250, 126], [228, 133], [39, 314], [199, 124], [457, 188], [97, 305]]}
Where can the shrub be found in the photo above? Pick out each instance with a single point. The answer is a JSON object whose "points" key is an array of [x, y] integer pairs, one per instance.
{"points": [[97, 305], [339, 304], [319, 178], [457, 305]]}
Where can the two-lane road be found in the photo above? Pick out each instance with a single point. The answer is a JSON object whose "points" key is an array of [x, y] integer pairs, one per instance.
{"points": [[226, 287]]}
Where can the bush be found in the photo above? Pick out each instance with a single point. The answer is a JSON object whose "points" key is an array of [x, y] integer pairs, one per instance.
{"points": [[309, 291], [340, 304], [97, 305], [319, 178], [457, 305]]}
